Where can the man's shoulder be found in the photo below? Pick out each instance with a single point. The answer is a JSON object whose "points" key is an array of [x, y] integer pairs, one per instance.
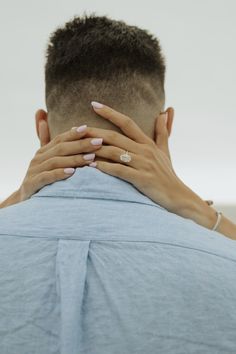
{"points": [[17, 216], [63, 217]]}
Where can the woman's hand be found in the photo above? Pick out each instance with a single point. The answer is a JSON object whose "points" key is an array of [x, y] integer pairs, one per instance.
{"points": [[151, 171], [56, 161]]}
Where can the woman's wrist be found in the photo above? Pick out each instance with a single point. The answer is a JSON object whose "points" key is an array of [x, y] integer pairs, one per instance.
{"points": [[201, 213], [189, 205]]}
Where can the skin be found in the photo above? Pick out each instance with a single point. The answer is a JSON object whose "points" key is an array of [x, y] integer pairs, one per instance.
{"points": [[150, 169]]}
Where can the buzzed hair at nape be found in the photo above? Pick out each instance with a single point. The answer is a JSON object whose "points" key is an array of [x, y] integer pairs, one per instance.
{"points": [[97, 58]]}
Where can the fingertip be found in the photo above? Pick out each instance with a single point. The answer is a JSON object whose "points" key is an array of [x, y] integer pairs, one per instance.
{"points": [[97, 105], [162, 120], [93, 164], [165, 117], [69, 171]]}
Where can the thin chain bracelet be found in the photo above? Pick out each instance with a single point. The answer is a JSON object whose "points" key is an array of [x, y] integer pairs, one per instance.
{"points": [[219, 217], [218, 213]]}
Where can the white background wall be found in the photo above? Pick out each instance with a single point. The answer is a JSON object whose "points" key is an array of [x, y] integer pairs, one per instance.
{"points": [[198, 39]]}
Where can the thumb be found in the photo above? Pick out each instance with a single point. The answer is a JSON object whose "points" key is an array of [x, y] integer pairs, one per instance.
{"points": [[161, 130], [162, 134], [43, 132]]}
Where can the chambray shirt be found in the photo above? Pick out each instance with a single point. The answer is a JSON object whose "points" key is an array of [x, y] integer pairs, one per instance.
{"points": [[90, 265]]}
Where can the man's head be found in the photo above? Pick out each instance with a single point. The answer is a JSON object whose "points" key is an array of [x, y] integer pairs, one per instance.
{"points": [[98, 59]]}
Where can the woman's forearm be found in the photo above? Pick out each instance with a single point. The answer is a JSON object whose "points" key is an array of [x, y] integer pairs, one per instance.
{"points": [[196, 209], [191, 207], [13, 199], [227, 228]]}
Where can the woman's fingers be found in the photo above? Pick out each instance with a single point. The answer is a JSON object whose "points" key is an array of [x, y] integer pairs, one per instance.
{"points": [[64, 162], [47, 177], [113, 153], [71, 142], [126, 124], [73, 134], [162, 136], [43, 127], [127, 173], [109, 137], [70, 148]]}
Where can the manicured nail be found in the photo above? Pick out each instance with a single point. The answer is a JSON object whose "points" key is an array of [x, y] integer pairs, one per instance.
{"points": [[69, 170], [89, 156], [82, 128], [97, 141], [97, 105], [93, 164]]}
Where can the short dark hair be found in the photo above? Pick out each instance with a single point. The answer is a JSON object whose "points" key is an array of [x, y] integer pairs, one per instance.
{"points": [[97, 58]]}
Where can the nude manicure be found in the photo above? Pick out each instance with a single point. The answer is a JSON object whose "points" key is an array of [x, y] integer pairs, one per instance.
{"points": [[69, 171], [82, 128], [89, 156], [97, 141], [97, 105], [93, 164]]}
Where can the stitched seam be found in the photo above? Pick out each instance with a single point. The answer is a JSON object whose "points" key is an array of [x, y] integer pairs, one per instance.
{"points": [[123, 241]]}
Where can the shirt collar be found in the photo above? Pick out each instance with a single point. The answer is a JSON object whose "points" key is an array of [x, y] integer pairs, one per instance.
{"points": [[89, 182]]}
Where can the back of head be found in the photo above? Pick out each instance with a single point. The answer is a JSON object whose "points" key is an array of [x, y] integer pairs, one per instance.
{"points": [[98, 59]]}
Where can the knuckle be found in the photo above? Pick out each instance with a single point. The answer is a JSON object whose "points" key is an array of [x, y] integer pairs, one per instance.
{"points": [[113, 135], [115, 155], [57, 139], [76, 159], [72, 133], [40, 151], [127, 123], [112, 153], [36, 160], [83, 145], [89, 130], [43, 178], [59, 149], [53, 162], [149, 152], [151, 143], [150, 165], [58, 174], [117, 168]]}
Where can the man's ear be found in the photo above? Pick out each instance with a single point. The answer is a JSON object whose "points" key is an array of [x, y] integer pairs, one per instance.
{"points": [[170, 118], [41, 120]]}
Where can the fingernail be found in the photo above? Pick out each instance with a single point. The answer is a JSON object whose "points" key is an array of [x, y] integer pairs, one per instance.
{"points": [[93, 164], [82, 128], [69, 170], [97, 141], [89, 156], [73, 128], [96, 105]]}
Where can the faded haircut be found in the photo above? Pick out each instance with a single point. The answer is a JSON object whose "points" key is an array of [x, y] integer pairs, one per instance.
{"points": [[94, 58]]}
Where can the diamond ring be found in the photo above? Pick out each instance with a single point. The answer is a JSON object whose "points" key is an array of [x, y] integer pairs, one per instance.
{"points": [[125, 157]]}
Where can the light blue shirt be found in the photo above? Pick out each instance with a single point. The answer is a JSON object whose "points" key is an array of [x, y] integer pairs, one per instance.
{"points": [[90, 265]]}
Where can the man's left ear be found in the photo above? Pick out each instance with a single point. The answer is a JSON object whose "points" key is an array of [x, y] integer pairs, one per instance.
{"points": [[170, 118], [41, 120]]}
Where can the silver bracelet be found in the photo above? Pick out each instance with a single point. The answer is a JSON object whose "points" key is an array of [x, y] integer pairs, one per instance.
{"points": [[219, 216]]}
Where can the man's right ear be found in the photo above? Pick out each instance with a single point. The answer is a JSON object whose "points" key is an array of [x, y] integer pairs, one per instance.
{"points": [[41, 120]]}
